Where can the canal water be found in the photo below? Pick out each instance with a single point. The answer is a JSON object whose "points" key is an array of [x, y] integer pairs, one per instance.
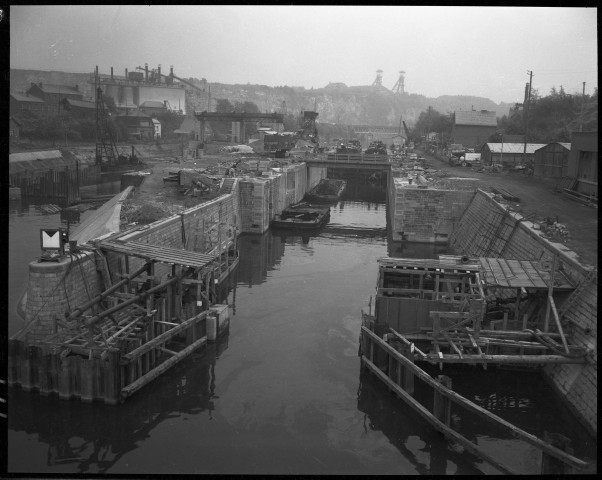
{"points": [[284, 392]]}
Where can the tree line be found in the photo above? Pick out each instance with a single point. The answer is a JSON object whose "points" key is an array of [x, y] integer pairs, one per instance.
{"points": [[547, 119]]}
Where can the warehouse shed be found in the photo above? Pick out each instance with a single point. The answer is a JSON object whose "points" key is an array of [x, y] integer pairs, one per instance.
{"points": [[552, 161]]}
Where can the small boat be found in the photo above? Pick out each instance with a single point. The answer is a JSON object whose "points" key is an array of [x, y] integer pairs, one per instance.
{"points": [[328, 190], [302, 216]]}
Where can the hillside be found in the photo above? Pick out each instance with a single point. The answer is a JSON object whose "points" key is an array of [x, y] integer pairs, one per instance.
{"points": [[336, 103]]}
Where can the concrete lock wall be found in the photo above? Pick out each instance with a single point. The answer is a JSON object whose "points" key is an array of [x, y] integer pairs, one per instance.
{"points": [[518, 240], [425, 214]]}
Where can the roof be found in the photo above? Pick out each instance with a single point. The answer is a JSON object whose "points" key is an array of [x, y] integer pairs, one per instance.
{"points": [[80, 103], [159, 253], [472, 117], [155, 121], [499, 272], [21, 97], [152, 104], [134, 114], [189, 125], [567, 146], [62, 89], [513, 147], [38, 161]]}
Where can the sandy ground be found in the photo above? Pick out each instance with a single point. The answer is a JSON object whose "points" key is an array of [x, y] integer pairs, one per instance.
{"points": [[537, 197]]}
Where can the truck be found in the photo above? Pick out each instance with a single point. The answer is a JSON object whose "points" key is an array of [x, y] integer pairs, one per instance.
{"points": [[466, 160]]}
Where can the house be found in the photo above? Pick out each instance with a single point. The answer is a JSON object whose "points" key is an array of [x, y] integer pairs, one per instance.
{"points": [[14, 128], [190, 129], [53, 94], [473, 128], [157, 125], [79, 108], [139, 125], [20, 102], [509, 154], [152, 107], [552, 160], [583, 162]]}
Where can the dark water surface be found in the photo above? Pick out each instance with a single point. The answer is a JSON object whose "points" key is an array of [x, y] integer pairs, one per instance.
{"points": [[284, 393]]}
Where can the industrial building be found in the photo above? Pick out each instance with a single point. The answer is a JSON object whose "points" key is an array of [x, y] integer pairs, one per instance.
{"points": [[583, 162], [21, 102], [53, 94], [149, 90], [473, 128]]}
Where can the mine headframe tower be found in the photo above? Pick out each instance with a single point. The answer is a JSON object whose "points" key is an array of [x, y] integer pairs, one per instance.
{"points": [[399, 87], [378, 81]]}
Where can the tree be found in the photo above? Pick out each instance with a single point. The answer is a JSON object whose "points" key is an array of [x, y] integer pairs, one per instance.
{"points": [[247, 107], [223, 105]]}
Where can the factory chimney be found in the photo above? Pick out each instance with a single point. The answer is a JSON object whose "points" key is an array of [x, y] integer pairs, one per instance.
{"points": [[126, 73], [111, 74], [146, 72], [159, 74]]}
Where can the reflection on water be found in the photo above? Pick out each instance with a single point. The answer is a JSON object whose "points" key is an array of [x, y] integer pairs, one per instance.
{"points": [[286, 396], [92, 438]]}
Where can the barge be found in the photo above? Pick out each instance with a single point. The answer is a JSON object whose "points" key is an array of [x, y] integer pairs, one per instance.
{"points": [[302, 216], [327, 190]]}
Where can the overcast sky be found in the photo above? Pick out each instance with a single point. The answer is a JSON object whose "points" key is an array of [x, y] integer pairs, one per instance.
{"points": [[481, 51]]}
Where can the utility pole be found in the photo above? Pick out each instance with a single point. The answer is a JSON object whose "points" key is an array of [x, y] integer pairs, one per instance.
{"points": [[526, 112], [582, 105]]}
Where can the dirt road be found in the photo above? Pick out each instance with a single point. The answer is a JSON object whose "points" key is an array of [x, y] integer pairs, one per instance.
{"points": [[537, 197]]}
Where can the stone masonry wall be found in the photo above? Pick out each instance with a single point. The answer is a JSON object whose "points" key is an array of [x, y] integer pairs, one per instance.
{"points": [[476, 235], [57, 287]]}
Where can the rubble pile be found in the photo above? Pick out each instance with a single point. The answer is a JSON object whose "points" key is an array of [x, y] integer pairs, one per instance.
{"points": [[554, 231]]}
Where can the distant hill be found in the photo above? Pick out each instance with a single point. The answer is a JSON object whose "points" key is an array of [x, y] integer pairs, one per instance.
{"points": [[336, 103]]}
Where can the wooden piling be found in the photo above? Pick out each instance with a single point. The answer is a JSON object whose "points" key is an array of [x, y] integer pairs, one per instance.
{"points": [[442, 403]]}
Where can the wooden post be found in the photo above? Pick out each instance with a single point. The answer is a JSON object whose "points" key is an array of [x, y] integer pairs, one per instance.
{"points": [[441, 403], [505, 322], [546, 326], [551, 465], [408, 375]]}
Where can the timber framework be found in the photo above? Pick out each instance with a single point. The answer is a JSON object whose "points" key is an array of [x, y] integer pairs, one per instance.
{"points": [[158, 306]]}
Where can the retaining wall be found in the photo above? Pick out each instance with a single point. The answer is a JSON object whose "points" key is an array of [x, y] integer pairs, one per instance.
{"points": [[427, 215], [487, 228]]}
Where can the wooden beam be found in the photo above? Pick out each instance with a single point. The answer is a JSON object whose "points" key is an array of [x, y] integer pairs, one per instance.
{"points": [[150, 376], [436, 423], [162, 338], [533, 440], [558, 324]]}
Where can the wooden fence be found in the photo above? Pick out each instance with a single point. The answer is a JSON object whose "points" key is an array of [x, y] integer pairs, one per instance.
{"points": [[58, 184]]}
